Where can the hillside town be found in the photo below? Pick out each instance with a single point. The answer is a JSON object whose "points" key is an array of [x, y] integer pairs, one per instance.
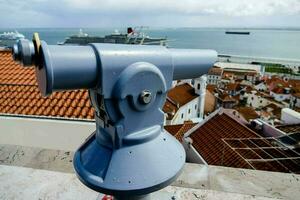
{"points": [[241, 87], [237, 116]]}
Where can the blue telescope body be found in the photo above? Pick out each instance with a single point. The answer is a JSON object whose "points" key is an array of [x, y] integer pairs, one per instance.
{"points": [[130, 154]]}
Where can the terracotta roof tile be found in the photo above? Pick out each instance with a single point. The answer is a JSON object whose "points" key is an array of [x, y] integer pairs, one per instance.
{"points": [[247, 112], [211, 88], [19, 94], [232, 86], [209, 140], [291, 128], [215, 71], [179, 130]]}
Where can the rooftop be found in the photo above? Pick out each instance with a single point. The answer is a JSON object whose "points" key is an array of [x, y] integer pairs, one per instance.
{"points": [[226, 97], [19, 95], [179, 130], [177, 97], [291, 128], [211, 87], [222, 140], [232, 86], [217, 71], [247, 112], [239, 66]]}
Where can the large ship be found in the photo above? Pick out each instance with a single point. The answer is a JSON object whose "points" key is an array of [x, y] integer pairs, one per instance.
{"points": [[133, 36], [8, 39], [238, 32]]}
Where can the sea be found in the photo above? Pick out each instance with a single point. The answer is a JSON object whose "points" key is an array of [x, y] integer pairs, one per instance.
{"points": [[267, 43]]}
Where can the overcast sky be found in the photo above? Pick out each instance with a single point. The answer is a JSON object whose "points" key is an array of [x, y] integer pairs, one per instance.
{"points": [[160, 13]]}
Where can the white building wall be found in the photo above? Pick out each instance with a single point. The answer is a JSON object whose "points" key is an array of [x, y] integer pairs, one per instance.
{"points": [[256, 101], [289, 116], [185, 113], [280, 97], [261, 87], [213, 79], [192, 155]]}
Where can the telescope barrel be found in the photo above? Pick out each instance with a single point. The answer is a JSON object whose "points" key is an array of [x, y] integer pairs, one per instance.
{"points": [[65, 67], [192, 63]]}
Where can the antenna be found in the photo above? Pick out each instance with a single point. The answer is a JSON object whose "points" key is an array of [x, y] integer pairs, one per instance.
{"points": [[130, 155]]}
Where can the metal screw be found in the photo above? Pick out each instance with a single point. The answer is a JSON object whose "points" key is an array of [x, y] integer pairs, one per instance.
{"points": [[145, 97]]}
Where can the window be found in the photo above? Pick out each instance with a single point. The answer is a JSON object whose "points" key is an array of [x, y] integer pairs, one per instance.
{"points": [[195, 107], [182, 116], [189, 111], [252, 98], [198, 86], [260, 101]]}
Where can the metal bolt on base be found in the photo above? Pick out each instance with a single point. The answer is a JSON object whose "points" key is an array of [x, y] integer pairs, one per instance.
{"points": [[145, 97]]}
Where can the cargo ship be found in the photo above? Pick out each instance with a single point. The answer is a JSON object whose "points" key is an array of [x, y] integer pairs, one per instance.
{"points": [[238, 32], [133, 36]]}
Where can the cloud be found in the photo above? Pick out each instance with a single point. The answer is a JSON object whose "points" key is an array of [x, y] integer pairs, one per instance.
{"points": [[72, 13], [195, 7]]}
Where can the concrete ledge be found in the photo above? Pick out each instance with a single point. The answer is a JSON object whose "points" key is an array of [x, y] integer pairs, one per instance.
{"points": [[243, 181], [194, 176], [45, 133], [28, 183]]}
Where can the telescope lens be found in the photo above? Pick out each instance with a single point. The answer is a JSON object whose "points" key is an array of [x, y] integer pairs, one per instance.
{"points": [[16, 53]]}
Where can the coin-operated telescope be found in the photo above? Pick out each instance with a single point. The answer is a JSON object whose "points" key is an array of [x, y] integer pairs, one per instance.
{"points": [[130, 154]]}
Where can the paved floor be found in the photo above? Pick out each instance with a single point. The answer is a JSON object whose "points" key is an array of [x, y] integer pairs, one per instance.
{"points": [[40, 173], [27, 183]]}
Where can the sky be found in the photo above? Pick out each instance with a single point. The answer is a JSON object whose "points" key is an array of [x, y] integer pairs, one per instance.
{"points": [[155, 13]]}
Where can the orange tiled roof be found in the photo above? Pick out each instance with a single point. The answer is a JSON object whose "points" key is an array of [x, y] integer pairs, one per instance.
{"points": [[290, 128], [211, 88], [226, 98], [232, 86], [247, 112], [217, 71], [19, 94], [179, 130], [275, 81], [278, 90], [209, 140]]}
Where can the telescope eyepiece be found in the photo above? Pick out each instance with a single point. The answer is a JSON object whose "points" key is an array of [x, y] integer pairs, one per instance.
{"points": [[24, 52]]}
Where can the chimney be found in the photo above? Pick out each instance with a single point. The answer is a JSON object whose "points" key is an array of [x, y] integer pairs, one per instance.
{"points": [[129, 30]]}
